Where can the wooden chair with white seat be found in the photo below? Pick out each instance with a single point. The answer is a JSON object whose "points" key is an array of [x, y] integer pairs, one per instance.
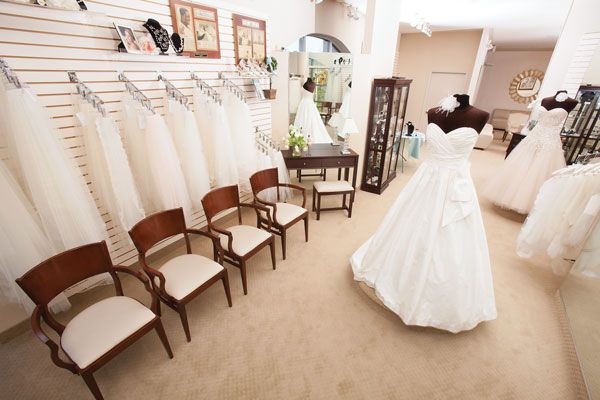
{"points": [[99, 332], [282, 215], [184, 277], [239, 242]]}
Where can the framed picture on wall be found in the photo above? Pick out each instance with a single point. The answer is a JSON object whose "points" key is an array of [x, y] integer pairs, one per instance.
{"points": [[250, 38], [198, 25]]}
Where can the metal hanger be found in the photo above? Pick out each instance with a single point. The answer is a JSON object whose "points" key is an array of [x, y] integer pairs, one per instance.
{"points": [[136, 93], [87, 94], [173, 92], [10, 75]]}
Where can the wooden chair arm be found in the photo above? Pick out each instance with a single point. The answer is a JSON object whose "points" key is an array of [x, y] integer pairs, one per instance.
{"points": [[226, 233], [145, 281], [36, 325], [154, 273], [296, 187], [258, 207], [215, 239]]}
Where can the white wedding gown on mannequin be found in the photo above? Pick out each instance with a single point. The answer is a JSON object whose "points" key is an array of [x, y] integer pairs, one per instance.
{"points": [[309, 119], [428, 261], [517, 182]]}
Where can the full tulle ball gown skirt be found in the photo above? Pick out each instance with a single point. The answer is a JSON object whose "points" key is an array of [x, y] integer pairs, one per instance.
{"points": [[428, 261], [308, 119], [517, 182]]}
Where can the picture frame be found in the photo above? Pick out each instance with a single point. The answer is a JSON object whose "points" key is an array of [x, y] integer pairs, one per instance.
{"points": [[127, 35], [250, 38], [198, 25]]}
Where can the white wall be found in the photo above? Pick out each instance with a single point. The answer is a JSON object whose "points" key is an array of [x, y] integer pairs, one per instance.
{"points": [[502, 67], [582, 18], [331, 19], [592, 75]]}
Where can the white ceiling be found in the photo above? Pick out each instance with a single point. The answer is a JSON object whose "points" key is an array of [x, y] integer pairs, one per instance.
{"points": [[514, 24]]}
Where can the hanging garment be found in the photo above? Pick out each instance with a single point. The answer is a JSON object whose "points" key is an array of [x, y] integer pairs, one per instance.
{"points": [[109, 169], [516, 183], [242, 135], [295, 94], [22, 244], [428, 261], [216, 137], [188, 143], [134, 122], [329, 86], [339, 117], [165, 167], [309, 120], [53, 180]]}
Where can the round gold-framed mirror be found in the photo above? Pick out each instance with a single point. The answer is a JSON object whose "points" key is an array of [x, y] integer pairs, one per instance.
{"points": [[525, 86]]}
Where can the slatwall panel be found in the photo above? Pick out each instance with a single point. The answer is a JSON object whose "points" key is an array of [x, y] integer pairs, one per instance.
{"points": [[42, 44], [581, 62]]}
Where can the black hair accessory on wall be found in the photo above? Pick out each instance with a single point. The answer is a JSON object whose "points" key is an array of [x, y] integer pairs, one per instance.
{"points": [[159, 34], [177, 42]]}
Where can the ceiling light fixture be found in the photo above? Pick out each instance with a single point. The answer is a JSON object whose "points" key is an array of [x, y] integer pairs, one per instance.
{"points": [[420, 24]]}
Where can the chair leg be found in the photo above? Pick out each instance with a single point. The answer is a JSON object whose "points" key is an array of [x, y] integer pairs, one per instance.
{"points": [[184, 321], [244, 279], [283, 242], [92, 385], [158, 309], [272, 246], [225, 280], [314, 193], [306, 228], [160, 331], [351, 204], [324, 174], [344, 200], [318, 207]]}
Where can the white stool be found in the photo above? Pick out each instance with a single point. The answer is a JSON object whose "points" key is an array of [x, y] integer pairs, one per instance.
{"points": [[330, 188]]}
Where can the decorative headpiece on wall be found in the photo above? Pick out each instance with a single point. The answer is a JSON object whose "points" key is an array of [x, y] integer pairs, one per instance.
{"points": [[178, 43], [525, 87]]}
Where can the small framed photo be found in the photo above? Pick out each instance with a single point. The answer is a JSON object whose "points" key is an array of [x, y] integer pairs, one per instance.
{"points": [[128, 38]]}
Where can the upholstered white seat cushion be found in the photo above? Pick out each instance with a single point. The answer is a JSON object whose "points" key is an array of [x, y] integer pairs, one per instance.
{"points": [[101, 326], [286, 212], [184, 274], [245, 238], [333, 186]]}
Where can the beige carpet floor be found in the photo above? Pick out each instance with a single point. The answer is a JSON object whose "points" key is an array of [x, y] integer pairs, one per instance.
{"points": [[306, 331]]}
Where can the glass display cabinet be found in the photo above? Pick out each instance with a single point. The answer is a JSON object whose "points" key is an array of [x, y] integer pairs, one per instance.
{"points": [[386, 121], [581, 131]]}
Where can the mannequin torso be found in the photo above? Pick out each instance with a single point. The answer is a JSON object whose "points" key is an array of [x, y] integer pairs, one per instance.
{"points": [[550, 103], [465, 115]]}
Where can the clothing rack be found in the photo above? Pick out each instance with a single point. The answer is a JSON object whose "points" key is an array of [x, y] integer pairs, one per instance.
{"points": [[87, 94], [250, 69], [586, 158], [173, 92], [136, 93], [206, 88], [264, 141], [9, 74], [232, 87]]}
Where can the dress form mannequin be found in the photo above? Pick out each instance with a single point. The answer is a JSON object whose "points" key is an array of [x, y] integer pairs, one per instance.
{"points": [[465, 115], [550, 103], [309, 85]]}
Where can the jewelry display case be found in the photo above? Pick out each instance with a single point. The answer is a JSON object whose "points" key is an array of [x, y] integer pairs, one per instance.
{"points": [[386, 120], [581, 131]]}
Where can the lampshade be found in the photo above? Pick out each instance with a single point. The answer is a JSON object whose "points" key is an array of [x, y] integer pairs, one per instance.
{"points": [[348, 128]]}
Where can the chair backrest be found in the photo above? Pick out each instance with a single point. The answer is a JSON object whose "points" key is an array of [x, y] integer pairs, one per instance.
{"points": [[51, 277], [221, 199], [158, 227], [264, 179]]}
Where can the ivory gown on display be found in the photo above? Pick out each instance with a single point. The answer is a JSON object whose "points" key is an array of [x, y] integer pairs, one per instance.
{"points": [[309, 119], [516, 183], [428, 261]]}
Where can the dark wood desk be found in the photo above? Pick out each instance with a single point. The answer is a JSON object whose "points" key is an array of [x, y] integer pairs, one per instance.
{"points": [[323, 156]]}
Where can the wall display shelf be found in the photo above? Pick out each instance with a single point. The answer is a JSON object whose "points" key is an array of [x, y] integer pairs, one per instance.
{"points": [[581, 131], [386, 119]]}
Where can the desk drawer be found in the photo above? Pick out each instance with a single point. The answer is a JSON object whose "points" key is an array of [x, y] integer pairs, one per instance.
{"points": [[341, 162], [293, 163]]}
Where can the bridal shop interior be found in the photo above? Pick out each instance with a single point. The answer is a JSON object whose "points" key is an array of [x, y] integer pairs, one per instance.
{"points": [[300, 199]]}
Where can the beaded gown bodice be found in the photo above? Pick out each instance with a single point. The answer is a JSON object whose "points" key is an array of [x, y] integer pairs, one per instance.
{"points": [[546, 132]]}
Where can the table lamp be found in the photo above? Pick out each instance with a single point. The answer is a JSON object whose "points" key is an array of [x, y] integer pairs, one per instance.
{"points": [[348, 129]]}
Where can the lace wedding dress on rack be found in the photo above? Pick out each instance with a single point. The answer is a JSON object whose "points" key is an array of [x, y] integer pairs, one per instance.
{"points": [[182, 124], [428, 261], [23, 245], [309, 119], [339, 117], [242, 134], [156, 161], [216, 137], [52, 179], [516, 183], [108, 167]]}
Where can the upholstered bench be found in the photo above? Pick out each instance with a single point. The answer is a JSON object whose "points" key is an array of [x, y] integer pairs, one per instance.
{"points": [[330, 188]]}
